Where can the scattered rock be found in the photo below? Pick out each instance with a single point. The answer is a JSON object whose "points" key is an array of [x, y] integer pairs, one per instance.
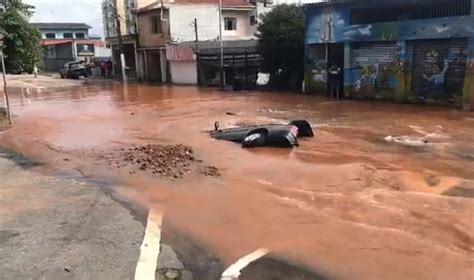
{"points": [[170, 161], [133, 114], [210, 171], [66, 159], [230, 113], [67, 269]]}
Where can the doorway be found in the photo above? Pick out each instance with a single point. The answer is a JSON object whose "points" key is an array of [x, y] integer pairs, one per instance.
{"points": [[153, 61], [335, 53]]}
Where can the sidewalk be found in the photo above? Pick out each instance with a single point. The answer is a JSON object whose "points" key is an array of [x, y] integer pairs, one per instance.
{"points": [[55, 228]]}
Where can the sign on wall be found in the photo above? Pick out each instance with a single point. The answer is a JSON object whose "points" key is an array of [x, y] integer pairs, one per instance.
{"points": [[85, 49], [179, 53]]}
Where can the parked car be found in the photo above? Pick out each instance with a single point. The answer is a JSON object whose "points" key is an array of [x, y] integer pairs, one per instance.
{"points": [[73, 70], [276, 135]]}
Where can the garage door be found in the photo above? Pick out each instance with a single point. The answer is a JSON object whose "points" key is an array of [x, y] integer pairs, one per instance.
{"points": [[439, 68], [373, 67]]}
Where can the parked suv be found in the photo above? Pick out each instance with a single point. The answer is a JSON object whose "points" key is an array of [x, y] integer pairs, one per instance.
{"points": [[73, 70]]}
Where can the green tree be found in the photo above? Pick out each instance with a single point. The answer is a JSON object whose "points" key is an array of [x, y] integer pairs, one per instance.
{"points": [[21, 40], [281, 45]]}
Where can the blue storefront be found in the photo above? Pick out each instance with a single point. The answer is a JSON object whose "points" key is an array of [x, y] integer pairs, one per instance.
{"points": [[413, 51]]}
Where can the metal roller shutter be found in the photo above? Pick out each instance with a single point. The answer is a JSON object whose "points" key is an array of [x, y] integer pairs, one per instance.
{"points": [[373, 66], [439, 68]]}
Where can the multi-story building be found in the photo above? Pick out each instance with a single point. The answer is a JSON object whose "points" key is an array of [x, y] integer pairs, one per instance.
{"points": [[403, 50], [179, 31], [124, 10], [66, 42]]}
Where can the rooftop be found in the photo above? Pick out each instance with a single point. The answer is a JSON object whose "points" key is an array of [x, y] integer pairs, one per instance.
{"points": [[225, 3], [60, 25]]}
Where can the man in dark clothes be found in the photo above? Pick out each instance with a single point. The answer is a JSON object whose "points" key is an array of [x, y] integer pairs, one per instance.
{"points": [[334, 79]]}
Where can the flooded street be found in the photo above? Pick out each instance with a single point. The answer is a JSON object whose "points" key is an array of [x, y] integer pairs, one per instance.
{"points": [[383, 191]]}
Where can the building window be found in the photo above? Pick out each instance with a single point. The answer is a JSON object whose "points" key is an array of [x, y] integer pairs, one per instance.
{"points": [[80, 35], [230, 23], [155, 24], [50, 36], [253, 20], [67, 35]]}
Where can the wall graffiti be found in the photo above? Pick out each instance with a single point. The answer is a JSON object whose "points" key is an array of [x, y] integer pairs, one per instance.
{"points": [[316, 68], [408, 60], [374, 68], [439, 68], [329, 25]]}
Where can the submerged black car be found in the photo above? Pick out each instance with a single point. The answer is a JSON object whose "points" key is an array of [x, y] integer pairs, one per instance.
{"points": [[275, 135]]}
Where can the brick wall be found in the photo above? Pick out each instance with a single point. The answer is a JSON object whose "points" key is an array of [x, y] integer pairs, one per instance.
{"points": [[146, 36]]}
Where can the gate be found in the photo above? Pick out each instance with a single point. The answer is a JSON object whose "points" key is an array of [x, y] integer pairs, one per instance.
{"points": [[439, 69], [373, 67]]}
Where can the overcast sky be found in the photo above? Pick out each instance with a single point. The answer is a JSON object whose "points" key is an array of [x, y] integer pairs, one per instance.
{"points": [[86, 11]]}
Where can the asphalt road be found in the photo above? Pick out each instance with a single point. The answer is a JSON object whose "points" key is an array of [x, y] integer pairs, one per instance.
{"points": [[59, 228]]}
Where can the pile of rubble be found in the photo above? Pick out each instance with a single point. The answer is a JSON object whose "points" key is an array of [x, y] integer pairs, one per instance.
{"points": [[170, 161]]}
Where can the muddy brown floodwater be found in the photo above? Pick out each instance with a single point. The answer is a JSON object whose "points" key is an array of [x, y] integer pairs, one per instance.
{"points": [[351, 203]]}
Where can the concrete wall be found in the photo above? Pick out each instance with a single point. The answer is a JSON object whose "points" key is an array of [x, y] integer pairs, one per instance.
{"points": [[183, 72], [146, 37], [244, 29], [102, 52], [182, 18], [143, 3], [108, 18]]}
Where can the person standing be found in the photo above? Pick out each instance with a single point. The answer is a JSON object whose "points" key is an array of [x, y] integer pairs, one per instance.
{"points": [[35, 71], [103, 68], [334, 79]]}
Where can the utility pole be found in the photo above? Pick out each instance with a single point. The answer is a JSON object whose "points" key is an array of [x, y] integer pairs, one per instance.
{"points": [[197, 51], [222, 80], [118, 29], [4, 69], [196, 30], [5, 91]]}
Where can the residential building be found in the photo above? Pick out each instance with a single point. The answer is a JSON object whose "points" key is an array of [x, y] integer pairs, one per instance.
{"points": [[154, 33], [66, 42], [169, 32], [402, 50], [124, 10], [63, 30]]}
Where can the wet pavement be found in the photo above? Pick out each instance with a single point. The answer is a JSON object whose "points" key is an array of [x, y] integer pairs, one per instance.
{"points": [[383, 190]]}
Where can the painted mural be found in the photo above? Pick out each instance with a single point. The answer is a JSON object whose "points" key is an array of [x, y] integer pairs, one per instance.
{"points": [[374, 69], [316, 68], [439, 69], [327, 26], [468, 92], [427, 60]]}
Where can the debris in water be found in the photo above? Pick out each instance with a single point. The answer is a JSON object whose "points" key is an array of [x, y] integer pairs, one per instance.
{"points": [[407, 141]]}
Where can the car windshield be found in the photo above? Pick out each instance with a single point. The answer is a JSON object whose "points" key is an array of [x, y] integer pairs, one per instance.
{"points": [[237, 139]]}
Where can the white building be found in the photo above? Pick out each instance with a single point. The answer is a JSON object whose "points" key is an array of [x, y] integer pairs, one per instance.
{"points": [[57, 30]]}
